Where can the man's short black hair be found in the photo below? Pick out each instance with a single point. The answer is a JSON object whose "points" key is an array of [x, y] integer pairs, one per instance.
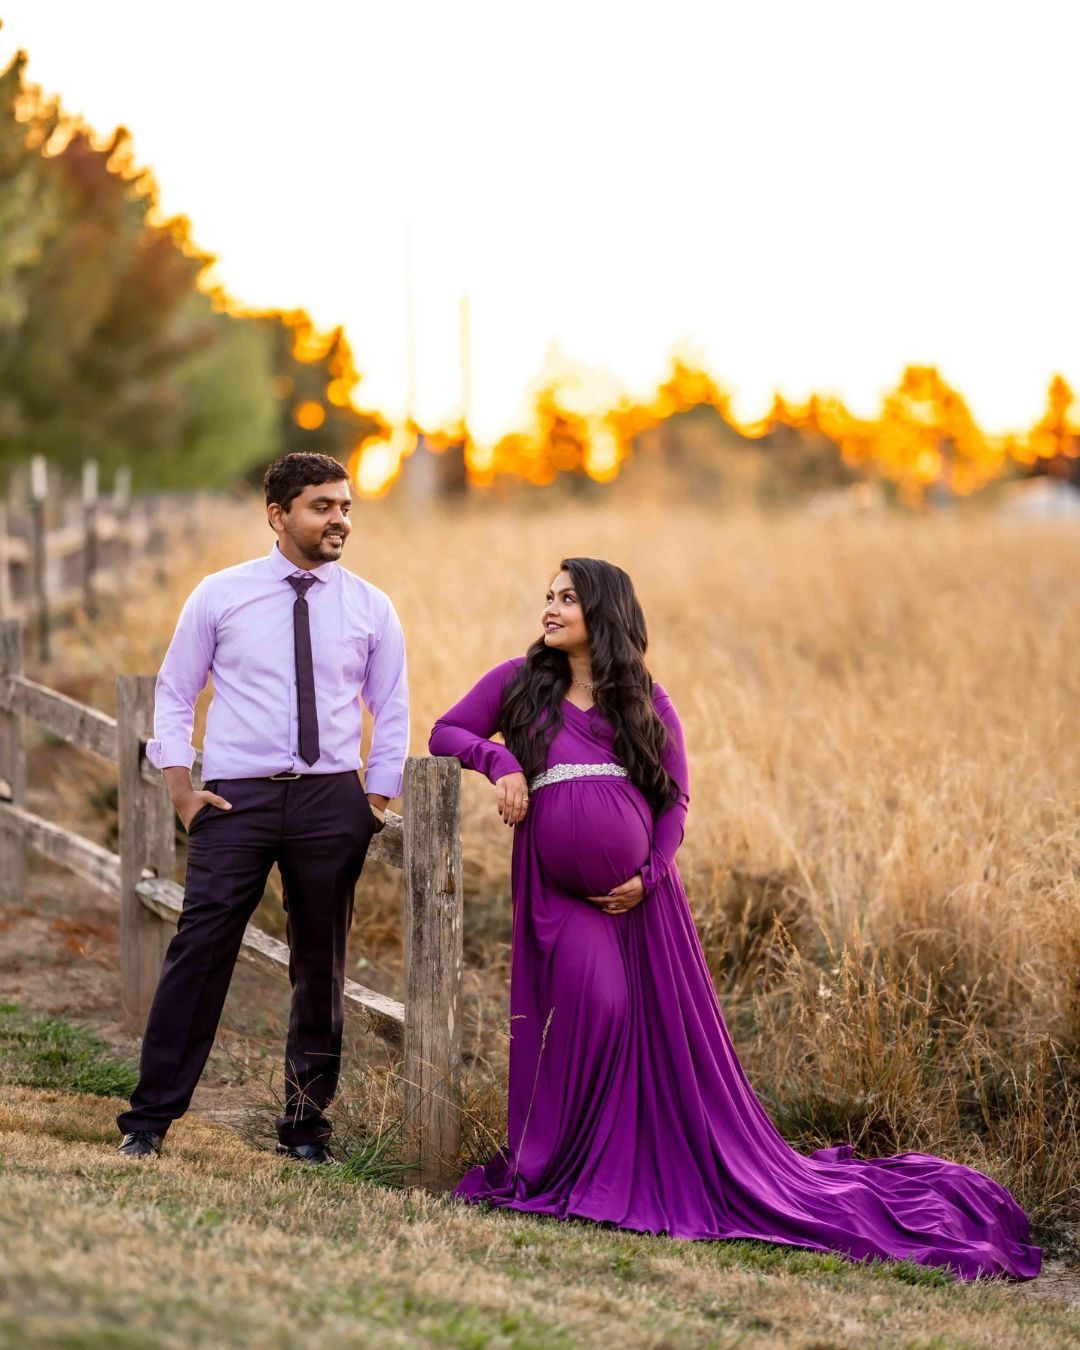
{"points": [[287, 478]]}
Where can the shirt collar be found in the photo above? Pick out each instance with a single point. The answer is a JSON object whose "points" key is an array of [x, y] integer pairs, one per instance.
{"points": [[282, 567]]}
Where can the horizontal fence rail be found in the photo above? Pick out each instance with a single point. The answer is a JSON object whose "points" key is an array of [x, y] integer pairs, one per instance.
{"points": [[424, 843], [62, 550]]}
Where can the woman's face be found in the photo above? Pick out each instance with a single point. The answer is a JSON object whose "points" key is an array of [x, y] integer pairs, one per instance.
{"points": [[562, 619]]}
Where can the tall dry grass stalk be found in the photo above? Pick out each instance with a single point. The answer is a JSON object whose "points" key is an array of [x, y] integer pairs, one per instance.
{"points": [[883, 851]]}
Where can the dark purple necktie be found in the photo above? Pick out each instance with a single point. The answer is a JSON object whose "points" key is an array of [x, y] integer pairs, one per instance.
{"points": [[307, 714]]}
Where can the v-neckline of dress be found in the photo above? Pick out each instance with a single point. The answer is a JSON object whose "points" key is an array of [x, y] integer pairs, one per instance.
{"points": [[584, 711]]}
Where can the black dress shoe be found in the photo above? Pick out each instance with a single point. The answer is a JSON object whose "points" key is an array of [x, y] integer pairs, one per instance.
{"points": [[141, 1144], [305, 1153]]}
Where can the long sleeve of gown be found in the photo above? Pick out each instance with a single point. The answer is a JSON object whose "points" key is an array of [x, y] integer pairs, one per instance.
{"points": [[670, 824], [465, 730]]}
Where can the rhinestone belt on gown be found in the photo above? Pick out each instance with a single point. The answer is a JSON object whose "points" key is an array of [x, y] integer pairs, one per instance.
{"points": [[560, 773]]}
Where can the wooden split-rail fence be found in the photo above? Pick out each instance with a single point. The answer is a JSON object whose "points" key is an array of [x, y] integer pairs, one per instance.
{"points": [[62, 550], [425, 843]]}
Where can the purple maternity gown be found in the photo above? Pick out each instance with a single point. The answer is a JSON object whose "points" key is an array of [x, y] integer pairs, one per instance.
{"points": [[627, 1103]]}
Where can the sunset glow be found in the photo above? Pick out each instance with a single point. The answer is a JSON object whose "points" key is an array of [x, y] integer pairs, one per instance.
{"points": [[750, 184]]}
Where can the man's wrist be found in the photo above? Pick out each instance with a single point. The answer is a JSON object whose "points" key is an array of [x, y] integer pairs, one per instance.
{"points": [[178, 781]]}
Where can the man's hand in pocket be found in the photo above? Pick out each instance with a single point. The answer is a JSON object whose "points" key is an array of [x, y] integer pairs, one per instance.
{"points": [[191, 803], [188, 801]]}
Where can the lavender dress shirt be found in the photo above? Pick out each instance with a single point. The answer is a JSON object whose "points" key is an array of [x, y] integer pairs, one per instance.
{"points": [[237, 627]]}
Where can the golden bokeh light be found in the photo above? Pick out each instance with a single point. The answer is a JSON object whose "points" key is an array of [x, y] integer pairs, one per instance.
{"points": [[309, 415]]}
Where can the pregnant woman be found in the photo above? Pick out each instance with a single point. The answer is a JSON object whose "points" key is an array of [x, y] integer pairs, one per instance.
{"points": [[627, 1103]]}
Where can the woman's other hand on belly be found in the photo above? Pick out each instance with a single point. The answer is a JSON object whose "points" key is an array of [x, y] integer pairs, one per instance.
{"points": [[621, 898]]}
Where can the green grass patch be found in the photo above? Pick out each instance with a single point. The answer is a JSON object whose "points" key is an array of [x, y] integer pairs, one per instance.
{"points": [[261, 1252], [48, 1052]]}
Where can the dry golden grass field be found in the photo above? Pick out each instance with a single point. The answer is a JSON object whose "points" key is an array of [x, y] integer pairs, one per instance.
{"points": [[883, 859]]}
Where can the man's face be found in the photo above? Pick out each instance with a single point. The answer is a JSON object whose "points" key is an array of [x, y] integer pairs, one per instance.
{"points": [[317, 521]]}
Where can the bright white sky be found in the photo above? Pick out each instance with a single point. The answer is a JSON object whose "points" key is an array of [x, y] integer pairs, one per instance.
{"points": [[811, 195]]}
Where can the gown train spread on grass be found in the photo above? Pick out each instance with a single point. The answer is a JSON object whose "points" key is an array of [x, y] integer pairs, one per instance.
{"points": [[627, 1102]]}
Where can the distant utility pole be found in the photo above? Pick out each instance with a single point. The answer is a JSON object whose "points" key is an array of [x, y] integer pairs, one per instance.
{"points": [[410, 334]]}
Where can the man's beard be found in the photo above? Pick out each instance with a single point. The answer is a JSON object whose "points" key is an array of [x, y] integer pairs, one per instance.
{"points": [[314, 552]]}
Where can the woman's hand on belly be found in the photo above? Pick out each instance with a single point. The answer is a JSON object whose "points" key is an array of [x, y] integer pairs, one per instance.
{"points": [[512, 797], [621, 898]]}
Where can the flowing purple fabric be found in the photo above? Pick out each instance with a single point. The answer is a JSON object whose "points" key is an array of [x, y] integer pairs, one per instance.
{"points": [[627, 1103]]}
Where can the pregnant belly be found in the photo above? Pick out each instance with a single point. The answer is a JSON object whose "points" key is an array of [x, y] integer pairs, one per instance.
{"points": [[591, 835]]}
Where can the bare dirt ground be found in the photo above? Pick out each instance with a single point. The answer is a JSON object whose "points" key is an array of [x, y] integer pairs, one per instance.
{"points": [[60, 954]]}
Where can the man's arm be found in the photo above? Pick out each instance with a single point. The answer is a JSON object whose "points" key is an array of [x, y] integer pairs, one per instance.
{"points": [[385, 694], [180, 680]]}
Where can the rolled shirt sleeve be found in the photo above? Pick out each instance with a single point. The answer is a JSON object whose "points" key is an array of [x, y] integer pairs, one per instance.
{"points": [[385, 694], [180, 681]]}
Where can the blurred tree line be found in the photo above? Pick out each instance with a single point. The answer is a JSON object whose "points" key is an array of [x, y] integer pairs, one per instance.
{"points": [[685, 441], [115, 345]]}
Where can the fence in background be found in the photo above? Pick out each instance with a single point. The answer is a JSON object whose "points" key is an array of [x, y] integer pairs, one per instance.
{"points": [[425, 843], [61, 550]]}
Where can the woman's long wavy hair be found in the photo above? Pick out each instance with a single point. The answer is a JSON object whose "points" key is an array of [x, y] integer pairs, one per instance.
{"points": [[532, 706]]}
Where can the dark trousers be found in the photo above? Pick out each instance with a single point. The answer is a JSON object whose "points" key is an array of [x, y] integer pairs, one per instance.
{"points": [[317, 829]]}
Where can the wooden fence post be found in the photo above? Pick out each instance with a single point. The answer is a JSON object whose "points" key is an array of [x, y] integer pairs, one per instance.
{"points": [[90, 539], [5, 558], [13, 849], [147, 849], [433, 928], [39, 490], [121, 506]]}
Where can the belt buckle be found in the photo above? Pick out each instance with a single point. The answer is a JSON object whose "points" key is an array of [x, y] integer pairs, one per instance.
{"points": [[279, 777]]}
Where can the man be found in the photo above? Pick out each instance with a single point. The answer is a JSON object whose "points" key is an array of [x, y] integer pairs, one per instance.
{"points": [[292, 642]]}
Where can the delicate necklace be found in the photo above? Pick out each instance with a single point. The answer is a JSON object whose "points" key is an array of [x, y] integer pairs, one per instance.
{"points": [[585, 684]]}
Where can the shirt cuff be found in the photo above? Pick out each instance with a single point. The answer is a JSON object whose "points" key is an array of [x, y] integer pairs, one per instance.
{"points": [[381, 784], [170, 754], [655, 870]]}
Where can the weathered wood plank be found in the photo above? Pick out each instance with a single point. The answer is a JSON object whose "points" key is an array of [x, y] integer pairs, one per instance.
{"points": [[378, 1014], [91, 553], [68, 539], [6, 597], [65, 541], [88, 860], [71, 721], [14, 550], [147, 849], [433, 932], [105, 542], [13, 856], [39, 557]]}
